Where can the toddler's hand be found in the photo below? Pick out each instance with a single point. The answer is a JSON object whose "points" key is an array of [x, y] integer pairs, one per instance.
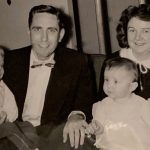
{"points": [[3, 117], [95, 128]]}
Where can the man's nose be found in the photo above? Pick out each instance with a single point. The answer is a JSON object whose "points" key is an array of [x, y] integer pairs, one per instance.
{"points": [[44, 36]]}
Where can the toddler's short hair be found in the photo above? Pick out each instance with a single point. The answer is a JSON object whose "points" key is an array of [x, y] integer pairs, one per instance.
{"points": [[119, 62]]}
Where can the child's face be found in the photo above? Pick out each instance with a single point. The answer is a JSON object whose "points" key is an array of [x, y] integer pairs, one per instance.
{"points": [[118, 83], [1, 64]]}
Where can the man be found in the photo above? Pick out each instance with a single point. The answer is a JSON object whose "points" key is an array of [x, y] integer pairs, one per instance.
{"points": [[50, 81]]}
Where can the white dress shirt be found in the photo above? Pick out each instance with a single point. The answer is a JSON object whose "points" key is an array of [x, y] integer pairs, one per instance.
{"points": [[37, 85]]}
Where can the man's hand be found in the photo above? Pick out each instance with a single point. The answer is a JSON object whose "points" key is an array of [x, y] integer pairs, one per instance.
{"points": [[75, 129]]}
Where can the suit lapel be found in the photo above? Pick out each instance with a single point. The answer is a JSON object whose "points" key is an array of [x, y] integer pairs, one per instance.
{"points": [[17, 73], [22, 79], [57, 84]]}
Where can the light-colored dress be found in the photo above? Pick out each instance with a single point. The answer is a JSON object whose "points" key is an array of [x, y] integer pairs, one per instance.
{"points": [[8, 103], [126, 124]]}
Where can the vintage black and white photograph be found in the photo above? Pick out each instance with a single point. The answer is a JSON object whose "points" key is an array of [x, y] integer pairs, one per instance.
{"points": [[74, 74]]}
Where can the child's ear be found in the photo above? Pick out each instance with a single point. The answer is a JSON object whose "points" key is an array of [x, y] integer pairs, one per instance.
{"points": [[133, 86]]}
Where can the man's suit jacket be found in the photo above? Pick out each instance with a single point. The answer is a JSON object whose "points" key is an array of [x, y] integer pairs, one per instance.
{"points": [[70, 87]]}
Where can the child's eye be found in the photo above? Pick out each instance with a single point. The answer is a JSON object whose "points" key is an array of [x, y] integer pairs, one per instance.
{"points": [[115, 81], [106, 80]]}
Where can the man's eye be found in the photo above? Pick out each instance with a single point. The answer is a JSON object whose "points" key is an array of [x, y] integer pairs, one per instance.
{"points": [[52, 30], [36, 29]]}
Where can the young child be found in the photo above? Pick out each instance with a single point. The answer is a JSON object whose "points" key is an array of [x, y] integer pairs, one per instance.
{"points": [[121, 121], [8, 107], [21, 134]]}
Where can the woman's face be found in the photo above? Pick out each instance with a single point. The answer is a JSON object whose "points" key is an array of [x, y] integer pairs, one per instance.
{"points": [[139, 37]]}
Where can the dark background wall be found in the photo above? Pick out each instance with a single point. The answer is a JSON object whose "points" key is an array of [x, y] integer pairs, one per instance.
{"points": [[13, 20], [114, 11], [94, 22], [98, 34]]}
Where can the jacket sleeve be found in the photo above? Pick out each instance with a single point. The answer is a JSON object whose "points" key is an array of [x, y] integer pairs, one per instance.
{"points": [[86, 89]]}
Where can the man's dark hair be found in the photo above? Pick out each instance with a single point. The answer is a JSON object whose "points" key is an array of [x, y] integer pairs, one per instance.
{"points": [[119, 62]]}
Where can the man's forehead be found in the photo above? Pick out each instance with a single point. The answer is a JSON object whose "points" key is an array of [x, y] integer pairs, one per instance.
{"points": [[45, 19]]}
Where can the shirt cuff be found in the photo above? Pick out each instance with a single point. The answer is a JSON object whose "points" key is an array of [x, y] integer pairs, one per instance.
{"points": [[77, 112]]}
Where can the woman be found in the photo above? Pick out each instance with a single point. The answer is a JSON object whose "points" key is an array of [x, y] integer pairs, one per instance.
{"points": [[133, 34]]}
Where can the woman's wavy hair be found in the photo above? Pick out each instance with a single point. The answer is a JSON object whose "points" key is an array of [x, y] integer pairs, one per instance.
{"points": [[142, 12]]}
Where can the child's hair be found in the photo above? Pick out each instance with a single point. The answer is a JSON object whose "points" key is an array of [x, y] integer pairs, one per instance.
{"points": [[119, 62]]}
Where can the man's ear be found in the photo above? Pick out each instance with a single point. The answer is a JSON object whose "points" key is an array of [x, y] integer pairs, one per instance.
{"points": [[133, 86], [62, 33]]}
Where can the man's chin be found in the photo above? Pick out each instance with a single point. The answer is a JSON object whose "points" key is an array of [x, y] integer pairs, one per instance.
{"points": [[44, 57]]}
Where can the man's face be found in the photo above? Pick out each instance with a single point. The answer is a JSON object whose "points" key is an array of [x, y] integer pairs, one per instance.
{"points": [[45, 34]]}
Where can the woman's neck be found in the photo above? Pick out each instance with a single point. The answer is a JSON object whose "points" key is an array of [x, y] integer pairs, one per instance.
{"points": [[141, 56]]}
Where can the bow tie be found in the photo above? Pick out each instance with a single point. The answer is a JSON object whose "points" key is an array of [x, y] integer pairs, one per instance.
{"points": [[37, 64]]}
